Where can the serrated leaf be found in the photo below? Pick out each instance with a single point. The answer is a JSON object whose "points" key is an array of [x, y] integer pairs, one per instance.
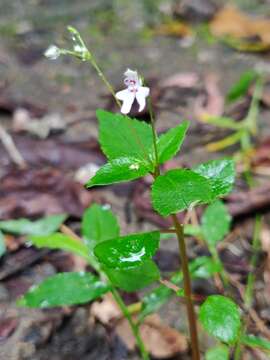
{"points": [[204, 267], [2, 244], [134, 278], [44, 226], [64, 289], [256, 341], [177, 190], [120, 170], [220, 173], [220, 352], [169, 143], [127, 251], [60, 241], [99, 224], [216, 222], [121, 136], [241, 87], [220, 317]]}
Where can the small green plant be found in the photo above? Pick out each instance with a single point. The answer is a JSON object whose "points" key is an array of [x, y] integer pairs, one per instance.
{"points": [[133, 150], [243, 131]]}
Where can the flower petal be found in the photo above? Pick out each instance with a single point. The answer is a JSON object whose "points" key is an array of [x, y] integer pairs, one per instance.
{"points": [[128, 98], [141, 95]]}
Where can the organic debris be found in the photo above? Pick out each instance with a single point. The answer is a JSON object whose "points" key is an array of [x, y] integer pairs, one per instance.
{"points": [[240, 30]]}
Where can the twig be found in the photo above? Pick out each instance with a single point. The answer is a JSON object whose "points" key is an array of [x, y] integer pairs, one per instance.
{"points": [[11, 148], [67, 231]]}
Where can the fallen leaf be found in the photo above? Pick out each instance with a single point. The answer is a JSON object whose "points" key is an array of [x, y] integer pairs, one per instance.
{"points": [[64, 155], [174, 28], [7, 326], [212, 103], [247, 202], [106, 310], [38, 192], [160, 340], [182, 80], [40, 127], [240, 30]]}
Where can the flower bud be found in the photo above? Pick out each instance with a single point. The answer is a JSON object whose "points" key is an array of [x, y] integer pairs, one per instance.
{"points": [[53, 52]]}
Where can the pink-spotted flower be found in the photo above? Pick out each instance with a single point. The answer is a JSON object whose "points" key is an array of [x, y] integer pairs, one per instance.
{"points": [[134, 90]]}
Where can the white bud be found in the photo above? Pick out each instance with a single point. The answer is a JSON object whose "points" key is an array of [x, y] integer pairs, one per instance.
{"points": [[53, 52]]}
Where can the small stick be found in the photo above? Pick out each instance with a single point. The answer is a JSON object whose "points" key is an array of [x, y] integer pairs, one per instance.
{"points": [[11, 149], [67, 231]]}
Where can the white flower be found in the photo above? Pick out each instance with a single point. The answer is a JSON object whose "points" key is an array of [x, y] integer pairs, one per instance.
{"points": [[134, 90], [53, 52]]}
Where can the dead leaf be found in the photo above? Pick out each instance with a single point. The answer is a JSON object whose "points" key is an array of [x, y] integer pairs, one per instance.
{"points": [[7, 327], [160, 340], [240, 30], [54, 152], [247, 202], [212, 103], [182, 80], [40, 127], [174, 28], [106, 310], [38, 192]]}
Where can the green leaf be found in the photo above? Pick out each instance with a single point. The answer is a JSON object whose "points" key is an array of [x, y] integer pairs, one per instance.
{"points": [[121, 136], [2, 244], [177, 190], [60, 241], [127, 251], [157, 297], [220, 317], [119, 170], [204, 267], [220, 352], [99, 224], [169, 143], [154, 300], [255, 341], [64, 289], [223, 122], [134, 278], [44, 226], [241, 87], [220, 173], [216, 222]]}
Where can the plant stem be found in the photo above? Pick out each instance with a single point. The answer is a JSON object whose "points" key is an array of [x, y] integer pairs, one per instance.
{"points": [[179, 228], [154, 133], [253, 261], [250, 283], [104, 79], [134, 327]]}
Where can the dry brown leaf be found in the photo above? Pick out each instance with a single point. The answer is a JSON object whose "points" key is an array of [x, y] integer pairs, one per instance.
{"points": [[160, 340], [247, 33], [174, 28], [106, 311], [213, 103], [182, 80]]}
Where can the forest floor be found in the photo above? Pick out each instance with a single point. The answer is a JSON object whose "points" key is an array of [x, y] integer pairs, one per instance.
{"points": [[188, 77]]}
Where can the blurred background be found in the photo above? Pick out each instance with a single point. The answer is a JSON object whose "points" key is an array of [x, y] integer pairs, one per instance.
{"points": [[190, 53]]}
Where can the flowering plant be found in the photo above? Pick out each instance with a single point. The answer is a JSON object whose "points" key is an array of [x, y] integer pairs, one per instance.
{"points": [[133, 150]]}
